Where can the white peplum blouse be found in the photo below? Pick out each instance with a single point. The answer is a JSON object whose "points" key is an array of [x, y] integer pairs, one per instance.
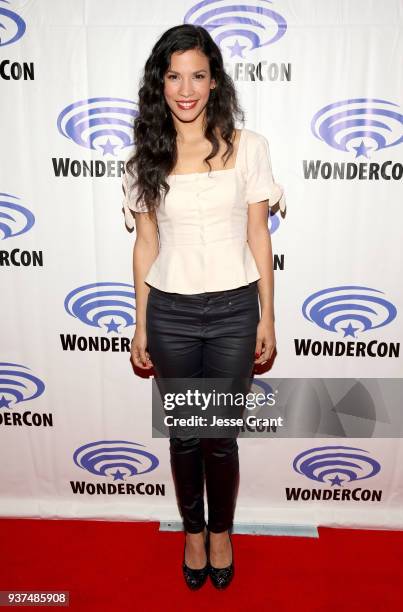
{"points": [[202, 221]]}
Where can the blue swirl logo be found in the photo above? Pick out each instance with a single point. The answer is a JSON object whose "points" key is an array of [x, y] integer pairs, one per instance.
{"points": [[101, 124], [12, 26], [336, 465], [117, 458], [15, 219], [362, 125], [335, 308], [248, 22], [274, 222], [260, 385], [99, 304], [17, 382]]}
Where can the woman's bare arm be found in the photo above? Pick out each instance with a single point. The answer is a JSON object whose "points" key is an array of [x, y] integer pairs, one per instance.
{"points": [[145, 251], [260, 244]]}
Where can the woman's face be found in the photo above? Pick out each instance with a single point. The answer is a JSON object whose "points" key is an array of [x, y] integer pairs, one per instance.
{"points": [[187, 84]]}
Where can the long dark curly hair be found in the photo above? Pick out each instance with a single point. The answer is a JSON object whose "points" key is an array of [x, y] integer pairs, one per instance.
{"points": [[155, 153]]}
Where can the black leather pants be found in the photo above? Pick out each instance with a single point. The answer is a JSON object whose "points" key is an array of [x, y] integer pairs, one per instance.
{"points": [[204, 335]]}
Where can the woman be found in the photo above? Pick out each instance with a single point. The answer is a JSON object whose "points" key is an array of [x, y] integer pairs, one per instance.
{"points": [[202, 260]]}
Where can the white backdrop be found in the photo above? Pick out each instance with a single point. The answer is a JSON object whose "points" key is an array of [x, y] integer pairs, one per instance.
{"points": [[75, 420]]}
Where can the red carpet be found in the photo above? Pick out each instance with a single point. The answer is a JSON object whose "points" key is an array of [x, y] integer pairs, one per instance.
{"points": [[123, 566]]}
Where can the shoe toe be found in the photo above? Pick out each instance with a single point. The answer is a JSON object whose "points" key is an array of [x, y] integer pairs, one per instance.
{"points": [[195, 578], [221, 577]]}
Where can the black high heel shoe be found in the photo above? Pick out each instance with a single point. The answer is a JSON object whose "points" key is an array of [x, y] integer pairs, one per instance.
{"points": [[195, 578], [220, 576]]}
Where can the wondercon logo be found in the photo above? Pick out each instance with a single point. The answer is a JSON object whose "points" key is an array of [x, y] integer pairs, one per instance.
{"points": [[103, 305], [348, 309], [336, 465], [117, 458], [15, 219], [360, 125], [12, 26], [17, 383], [231, 24], [102, 124]]}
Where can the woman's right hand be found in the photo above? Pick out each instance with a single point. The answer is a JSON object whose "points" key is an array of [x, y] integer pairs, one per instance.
{"points": [[139, 354]]}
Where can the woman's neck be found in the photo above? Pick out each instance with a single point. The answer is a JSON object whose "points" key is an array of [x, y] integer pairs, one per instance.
{"points": [[191, 132]]}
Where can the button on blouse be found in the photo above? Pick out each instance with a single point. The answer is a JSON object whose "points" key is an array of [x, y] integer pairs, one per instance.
{"points": [[202, 221]]}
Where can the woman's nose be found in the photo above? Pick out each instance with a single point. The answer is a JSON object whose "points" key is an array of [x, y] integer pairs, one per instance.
{"points": [[186, 88]]}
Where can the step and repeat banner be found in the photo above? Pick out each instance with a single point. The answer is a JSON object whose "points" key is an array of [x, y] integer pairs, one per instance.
{"points": [[323, 82]]}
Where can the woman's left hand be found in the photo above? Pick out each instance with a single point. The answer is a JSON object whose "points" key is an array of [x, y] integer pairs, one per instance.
{"points": [[265, 341]]}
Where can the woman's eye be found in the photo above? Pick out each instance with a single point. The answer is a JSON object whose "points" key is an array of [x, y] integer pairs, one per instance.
{"points": [[174, 76]]}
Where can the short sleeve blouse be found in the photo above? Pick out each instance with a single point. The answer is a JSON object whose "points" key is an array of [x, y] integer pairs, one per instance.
{"points": [[202, 221]]}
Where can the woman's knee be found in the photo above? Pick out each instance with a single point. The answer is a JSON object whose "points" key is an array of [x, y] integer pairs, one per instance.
{"points": [[184, 445], [220, 448]]}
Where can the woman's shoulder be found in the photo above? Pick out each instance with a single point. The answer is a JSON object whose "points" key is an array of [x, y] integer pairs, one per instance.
{"points": [[253, 137], [255, 146]]}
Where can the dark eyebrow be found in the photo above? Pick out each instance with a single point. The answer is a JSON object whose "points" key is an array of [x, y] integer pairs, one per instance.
{"points": [[195, 72]]}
